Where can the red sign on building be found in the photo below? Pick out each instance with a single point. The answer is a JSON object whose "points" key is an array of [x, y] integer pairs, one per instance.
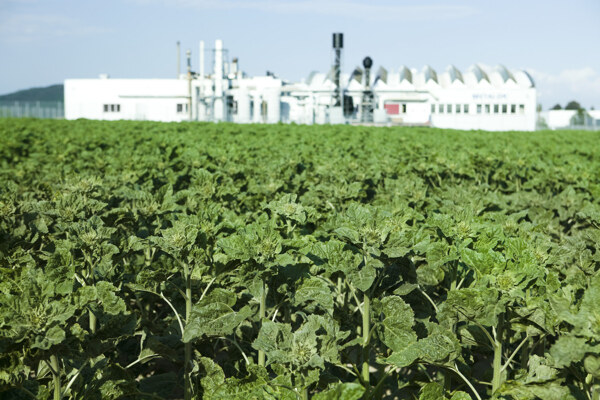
{"points": [[392, 109]]}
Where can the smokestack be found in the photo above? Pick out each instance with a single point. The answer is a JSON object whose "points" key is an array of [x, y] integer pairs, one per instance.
{"points": [[338, 44], [178, 59], [189, 78], [201, 56], [219, 107]]}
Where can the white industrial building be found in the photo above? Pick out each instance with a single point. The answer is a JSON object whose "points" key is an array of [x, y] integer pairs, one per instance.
{"points": [[479, 98], [570, 119]]}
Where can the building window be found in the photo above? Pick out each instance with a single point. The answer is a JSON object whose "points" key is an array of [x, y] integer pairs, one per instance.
{"points": [[441, 108], [496, 108], [466, 108], [513, 108], [182, 107], [504, 108], [433, 108], [478, 108], [521, 108], [403, 108], [458, 108], [449, 108], [487, 108], [112, 107]]}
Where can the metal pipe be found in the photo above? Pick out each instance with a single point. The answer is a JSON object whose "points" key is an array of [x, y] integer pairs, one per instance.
{"points": [[219, 109], [189, 78], [201, 59], [178, 59]]}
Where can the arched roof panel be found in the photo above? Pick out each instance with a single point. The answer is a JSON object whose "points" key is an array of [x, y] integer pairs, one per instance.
{"points": [[405, 74], [479, 73], [429, 74], [454, 73]]}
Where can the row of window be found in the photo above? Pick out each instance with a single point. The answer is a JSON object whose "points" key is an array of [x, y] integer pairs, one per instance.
{"points": [[480, 108], [112, 108], [181, 108]]}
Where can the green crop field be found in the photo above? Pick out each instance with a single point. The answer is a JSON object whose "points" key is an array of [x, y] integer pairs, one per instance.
{"points": [[144, 260]]}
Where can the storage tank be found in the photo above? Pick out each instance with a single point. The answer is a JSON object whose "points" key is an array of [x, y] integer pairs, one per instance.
{"points": [[273, 98], [243, 106]]}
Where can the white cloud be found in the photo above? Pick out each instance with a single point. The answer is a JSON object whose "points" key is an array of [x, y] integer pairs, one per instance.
{"points": [[340, 8], [29, 27], [581, 84]]}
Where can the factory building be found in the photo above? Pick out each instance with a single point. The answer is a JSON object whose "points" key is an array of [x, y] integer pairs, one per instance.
{"points": [[478, 98]]}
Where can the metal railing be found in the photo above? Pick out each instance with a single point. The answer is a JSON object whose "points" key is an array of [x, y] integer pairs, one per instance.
{"points": [[35, 109]]}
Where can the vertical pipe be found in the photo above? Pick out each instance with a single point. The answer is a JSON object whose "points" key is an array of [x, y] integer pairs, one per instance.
{"points": [[201, 59], [244, 106], [274, 106], [178, 59], [257, 108], [189, 78], [219, 109]]}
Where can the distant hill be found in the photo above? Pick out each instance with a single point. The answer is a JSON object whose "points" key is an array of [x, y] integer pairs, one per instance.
{"points": [[49, 93]]}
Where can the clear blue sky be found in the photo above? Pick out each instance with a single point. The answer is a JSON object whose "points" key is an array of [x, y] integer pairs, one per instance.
{"points": [[43, 42]]}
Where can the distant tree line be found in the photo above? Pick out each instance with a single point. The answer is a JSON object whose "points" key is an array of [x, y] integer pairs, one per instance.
{"points": [[49, 93], [572, 105]]}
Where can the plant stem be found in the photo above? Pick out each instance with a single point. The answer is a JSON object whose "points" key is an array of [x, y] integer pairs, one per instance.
{"points": [[92, 316], [466, 381], [305, 394], [261, 314], [56, 377], [365, 332], [93, 321], [187, 346], [497, 366]]}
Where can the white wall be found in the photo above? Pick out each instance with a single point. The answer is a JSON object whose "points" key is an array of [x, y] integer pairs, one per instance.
{"points": [[141, 99], [522, 121], [557, 119]]}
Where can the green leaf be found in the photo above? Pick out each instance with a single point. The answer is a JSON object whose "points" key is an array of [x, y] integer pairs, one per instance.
{"points": [[397, 324], [349, 234], [405, 357], [362, 278], [219, 295], [568, 349], [288, 208], [111, 303], [479, 304], [314, 291], [432, 391], [212, 375], [341, 391], [53, 336], [592, 365], [213, 319], [461, 396], [547, 391]]}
